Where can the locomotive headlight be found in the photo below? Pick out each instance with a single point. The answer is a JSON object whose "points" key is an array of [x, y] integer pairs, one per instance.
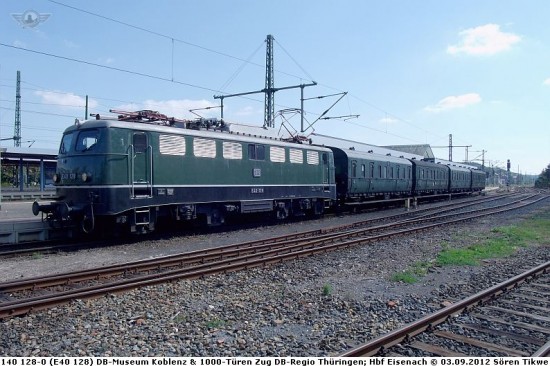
{"points": [[86, 177], [56, 178]]}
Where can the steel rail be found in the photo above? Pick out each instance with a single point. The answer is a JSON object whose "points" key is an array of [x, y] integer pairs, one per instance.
{"points": [[322, 236], [544, 351], [253, 260], [385, 341], [50, 245]]}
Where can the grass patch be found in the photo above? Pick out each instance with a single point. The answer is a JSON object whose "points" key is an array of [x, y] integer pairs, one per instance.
{"points": [[508, 239], [405, 276], [412, 275], [327, 290], [505, 242], [216, 323]]}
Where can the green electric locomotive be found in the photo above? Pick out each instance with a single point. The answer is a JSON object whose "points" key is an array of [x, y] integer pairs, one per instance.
{"points": [[130, 172]]}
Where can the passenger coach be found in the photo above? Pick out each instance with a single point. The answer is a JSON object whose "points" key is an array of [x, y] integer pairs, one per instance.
{"points": [[363, 175]]}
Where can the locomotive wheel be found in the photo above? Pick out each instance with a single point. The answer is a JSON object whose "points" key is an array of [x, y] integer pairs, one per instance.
{"points": [[282, 211]]}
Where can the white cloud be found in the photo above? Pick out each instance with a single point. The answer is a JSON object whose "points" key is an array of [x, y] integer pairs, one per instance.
{"points": [[483, 40], [63, 99], [178, 108], [454, 101], [546, 82]]}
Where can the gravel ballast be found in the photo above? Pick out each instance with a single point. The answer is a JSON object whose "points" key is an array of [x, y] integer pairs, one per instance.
{"points": [[317, 306]]}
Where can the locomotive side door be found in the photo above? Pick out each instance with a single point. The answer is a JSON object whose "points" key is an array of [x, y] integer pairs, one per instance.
{"points": [[141, 166]]}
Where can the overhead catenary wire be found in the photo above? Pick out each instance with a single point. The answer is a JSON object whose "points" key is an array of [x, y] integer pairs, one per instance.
{"points": [[173, 81], [173, 39], [165, 36], [155, 77], [241, 67], [39, 112]]}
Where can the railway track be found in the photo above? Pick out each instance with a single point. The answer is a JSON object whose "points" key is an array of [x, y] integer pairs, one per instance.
{"points": [[55, 246], [21, 297], [508, 319]]}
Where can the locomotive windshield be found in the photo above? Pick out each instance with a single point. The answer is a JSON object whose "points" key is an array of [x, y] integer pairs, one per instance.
{"points": [[85, 140], [66, 142]]}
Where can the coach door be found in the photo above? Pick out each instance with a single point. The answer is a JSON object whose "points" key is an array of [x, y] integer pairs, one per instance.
{"points": [[326, 171], [141, 167]]}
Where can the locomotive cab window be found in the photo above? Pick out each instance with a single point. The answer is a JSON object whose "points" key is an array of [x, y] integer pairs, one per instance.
{"points": [[86, 140], [66, 142]]}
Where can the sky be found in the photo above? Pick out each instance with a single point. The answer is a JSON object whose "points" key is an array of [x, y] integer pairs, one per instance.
{"points": [[395, 72]]}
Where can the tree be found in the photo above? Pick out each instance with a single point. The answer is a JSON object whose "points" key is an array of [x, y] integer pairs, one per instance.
{"points": [[543, 181]]}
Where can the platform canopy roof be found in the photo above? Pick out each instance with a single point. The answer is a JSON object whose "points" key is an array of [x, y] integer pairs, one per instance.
{"points": [[28, 153], [422, 150]]}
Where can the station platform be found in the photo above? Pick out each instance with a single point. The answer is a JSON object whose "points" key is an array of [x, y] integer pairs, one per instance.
{"points": [[17, 210], [18, 223]]}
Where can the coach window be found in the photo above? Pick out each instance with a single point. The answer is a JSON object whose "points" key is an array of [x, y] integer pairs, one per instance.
{"points": [[256, 152], [363, 171], [354, 169], [371, 165]]}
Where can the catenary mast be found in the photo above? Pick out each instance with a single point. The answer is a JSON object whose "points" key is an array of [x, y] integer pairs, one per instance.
{"points": [[269, 105], [17, 128]]}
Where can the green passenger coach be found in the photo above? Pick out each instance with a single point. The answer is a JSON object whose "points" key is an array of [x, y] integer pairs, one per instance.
{"points": [[362, 175]]}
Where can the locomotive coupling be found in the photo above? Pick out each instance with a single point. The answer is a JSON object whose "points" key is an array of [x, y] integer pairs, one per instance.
{"points": [[57, 210], [37, 208]]}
